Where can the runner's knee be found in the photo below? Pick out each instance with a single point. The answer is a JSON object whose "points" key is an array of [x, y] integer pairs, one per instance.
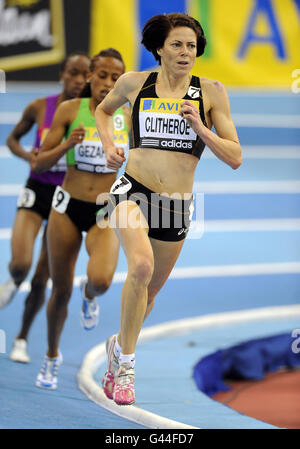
{"points": [[99, 284], [61, 295], [39, 283], [141, 269], [19, 270]]}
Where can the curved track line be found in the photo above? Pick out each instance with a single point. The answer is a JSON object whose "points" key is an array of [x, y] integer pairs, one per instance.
{"points": [[86, 382], [97, 356]]}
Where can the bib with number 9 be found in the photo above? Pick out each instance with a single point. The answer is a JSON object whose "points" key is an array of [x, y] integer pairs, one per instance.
{"points": [[60, 200]]}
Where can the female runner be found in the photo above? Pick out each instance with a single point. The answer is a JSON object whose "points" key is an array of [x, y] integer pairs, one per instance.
{"points": [[75, 208], [172, 116]]}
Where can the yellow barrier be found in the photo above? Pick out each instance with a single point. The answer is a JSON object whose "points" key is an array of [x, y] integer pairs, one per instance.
{"points": [[251, 43]]}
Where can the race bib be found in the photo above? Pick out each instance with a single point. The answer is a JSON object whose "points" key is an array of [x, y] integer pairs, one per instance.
{"points": [[90, 156], [60, 200], [161, 126], [121, 186], [61, 165], [119, 122], [26, 198]]}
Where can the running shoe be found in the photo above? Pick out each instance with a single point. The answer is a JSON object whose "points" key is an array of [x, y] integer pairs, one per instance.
{"points": [[7, 292], [108, 381], [47, 377], [19, 351], [124, 393], [89, 314]]}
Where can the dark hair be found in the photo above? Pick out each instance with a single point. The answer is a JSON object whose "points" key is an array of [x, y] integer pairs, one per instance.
{"points": [[108, 52], [71, 55], [157, 28]]}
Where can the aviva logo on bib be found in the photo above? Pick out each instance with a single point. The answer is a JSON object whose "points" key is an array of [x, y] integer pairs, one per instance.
{"points": [[121, 137], [91, 133], [163, 105]]}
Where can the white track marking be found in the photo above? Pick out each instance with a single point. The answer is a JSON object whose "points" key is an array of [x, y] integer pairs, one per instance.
{"points": [[255, 269], [97, 356]]}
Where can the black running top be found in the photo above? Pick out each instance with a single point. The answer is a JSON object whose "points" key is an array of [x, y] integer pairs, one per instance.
{"points": [[156, 122]]}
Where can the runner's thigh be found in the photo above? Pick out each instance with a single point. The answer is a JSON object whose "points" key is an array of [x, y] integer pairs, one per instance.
{"points": [[102, 245], [165, 257], [64, 241], [132, 232], [26, 227]]}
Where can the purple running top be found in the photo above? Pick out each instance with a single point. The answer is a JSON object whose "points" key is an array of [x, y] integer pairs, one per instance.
{"points": [[56, 174]]}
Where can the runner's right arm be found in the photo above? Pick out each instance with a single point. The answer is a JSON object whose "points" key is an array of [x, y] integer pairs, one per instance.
{"points": [[28, 119], [54, 147]]}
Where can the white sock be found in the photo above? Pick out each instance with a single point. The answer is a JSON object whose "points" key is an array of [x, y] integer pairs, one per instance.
{"points": [[129, 359], [117, 349]]}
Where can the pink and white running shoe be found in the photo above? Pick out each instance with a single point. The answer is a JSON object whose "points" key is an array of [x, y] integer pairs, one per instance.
{"points": [[108, 381], [123, 393]]}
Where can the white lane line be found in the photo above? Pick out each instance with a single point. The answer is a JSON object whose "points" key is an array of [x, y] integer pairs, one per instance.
{"points": [[267, 120], [270, 152], [9, 118], [205, 271], [218, 187], [10, 189], [6, 153], [252, 225], [236, 270], [240, 225], [5, 233], [262, 152], [209, 187], [97, 356], [87, 384], [200, 227]]}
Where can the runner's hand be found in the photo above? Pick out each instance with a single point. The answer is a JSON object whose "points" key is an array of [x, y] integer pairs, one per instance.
{"points": [[76, 136], [33, 155], [114, 157], [192, 116]]}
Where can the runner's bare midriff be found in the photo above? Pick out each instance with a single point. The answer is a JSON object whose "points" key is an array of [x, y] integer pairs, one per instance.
{"points": [[162, 171], [87, 186]]}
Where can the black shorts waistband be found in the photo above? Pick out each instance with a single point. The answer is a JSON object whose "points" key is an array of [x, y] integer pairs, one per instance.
{"points": [[141, 193]]}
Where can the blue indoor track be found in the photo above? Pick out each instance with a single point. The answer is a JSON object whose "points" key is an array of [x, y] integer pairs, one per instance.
{"points": [[247, 258]]}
